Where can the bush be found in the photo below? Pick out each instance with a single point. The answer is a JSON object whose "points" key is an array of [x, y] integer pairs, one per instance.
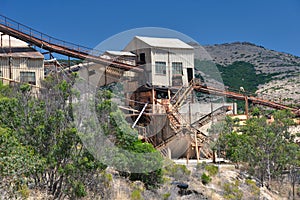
{"points": [[136, 195], [231, 191], [255, 191], [79, 189], [24, 191], [138, 154], [201, 165], [152, 161], [166, 196], [179, 172], [205, 179], [211, 169]]}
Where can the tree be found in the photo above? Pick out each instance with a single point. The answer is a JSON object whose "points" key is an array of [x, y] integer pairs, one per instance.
{"points": [[17, 163], [267, 147], [40, 127], [227, 139]]}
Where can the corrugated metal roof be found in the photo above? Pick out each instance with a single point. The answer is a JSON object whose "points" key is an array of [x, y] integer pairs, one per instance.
{"points": [[165, 42], [120, 53], [17, 48]]}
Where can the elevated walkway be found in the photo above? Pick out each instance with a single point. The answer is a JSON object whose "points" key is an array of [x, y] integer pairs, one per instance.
{"points": [[44, 41]]}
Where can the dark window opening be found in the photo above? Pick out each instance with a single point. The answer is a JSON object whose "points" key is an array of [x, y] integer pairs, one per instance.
{"points": [[142, 58], [162, 95], [190, 74]]}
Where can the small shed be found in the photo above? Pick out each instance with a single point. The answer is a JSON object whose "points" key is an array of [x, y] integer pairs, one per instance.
{"points": [[19, 62], [120, 56], [167, 61]]}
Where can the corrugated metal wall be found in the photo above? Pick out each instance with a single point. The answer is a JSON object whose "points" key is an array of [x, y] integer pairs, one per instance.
{"points": [[186, 57], [19, 64]]}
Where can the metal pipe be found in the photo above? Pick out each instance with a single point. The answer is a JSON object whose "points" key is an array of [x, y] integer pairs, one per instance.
{"points": [[139, 115]]}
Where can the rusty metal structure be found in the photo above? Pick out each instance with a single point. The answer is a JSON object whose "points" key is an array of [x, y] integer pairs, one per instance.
{"points": [[183, 132], [44, 41]]}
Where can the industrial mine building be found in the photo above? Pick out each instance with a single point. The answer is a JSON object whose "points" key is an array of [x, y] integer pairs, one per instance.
{"points": [[166, 61], [158, 79], [19, 62]]}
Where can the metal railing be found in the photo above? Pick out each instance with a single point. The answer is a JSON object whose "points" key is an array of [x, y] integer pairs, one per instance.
{"points": [[12, 24]]}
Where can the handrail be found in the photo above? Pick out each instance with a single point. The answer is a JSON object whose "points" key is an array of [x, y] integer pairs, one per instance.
{"points": [[45, 37], [255, 100], [44, 41]]}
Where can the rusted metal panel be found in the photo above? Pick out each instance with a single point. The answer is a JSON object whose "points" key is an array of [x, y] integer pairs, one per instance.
{"points": [[20, 52]]}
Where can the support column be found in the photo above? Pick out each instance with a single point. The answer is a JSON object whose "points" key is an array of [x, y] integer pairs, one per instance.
{"points": [[169, 153], [69, 63], [188, 155], [246, 106], [10, 60], [190, 114], [105, 76], [153, 101], [197, 148]]}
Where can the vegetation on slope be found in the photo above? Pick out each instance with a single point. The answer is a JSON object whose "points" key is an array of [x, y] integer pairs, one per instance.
{"points": [[236, 75], [233, 76], [266, 150], [137, 154], [242, 74], [40, 147]]}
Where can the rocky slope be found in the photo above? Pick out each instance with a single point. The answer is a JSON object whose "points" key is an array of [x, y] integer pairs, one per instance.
{"points": [[265, 60], [227, 183], [285, 68]]}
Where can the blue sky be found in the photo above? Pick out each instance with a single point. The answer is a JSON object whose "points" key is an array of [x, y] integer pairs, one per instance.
{"points": [[274, 24]]}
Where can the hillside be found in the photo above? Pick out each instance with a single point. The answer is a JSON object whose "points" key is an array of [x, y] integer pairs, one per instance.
{"points": [[272, 75], [265, 60]]}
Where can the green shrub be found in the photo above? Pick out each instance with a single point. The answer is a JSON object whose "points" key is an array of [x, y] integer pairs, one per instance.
{"points": [[231, 191], [205, 179], [127, 138], [201, 165], [166, 196], [79, 189], [136, 195], [179, 172], [106, 179], [24, 191], [211, 169], [255, 191]]}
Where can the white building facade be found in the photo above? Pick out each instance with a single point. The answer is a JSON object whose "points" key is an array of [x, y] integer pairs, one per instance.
{"points": [[166, 61]]}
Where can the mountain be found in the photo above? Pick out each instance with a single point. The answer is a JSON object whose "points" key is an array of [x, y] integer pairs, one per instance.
{"points": [[270, 74], [264, 60]]}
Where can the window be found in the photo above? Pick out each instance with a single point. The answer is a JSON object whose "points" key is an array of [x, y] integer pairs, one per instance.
{"points": [[28, 77], [161, 94], [177, 68], [160, 68]]}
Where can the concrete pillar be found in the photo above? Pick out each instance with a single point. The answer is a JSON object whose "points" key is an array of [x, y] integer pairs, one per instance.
{"points": [[169, 153], [234, 108]]}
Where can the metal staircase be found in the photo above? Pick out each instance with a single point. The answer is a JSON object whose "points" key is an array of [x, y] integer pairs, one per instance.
{"points": [[181, 95], [208, 117], [179, 124]]}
